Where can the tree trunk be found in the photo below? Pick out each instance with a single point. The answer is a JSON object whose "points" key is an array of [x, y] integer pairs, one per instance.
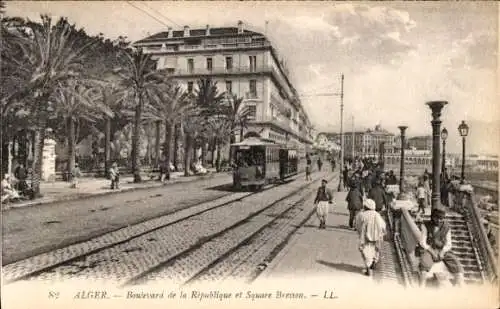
{"points": [[136, 140], [157, 142], [169, 140], [203, 151], [38, 155], [241, 134], [218, 161], [195, 151], [187, 154], [212, 148], [71, 147], [107, 146], [176, 147], [232, 140]]}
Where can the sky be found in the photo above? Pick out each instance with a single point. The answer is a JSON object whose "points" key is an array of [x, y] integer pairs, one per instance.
{"points": [[395, 56]]}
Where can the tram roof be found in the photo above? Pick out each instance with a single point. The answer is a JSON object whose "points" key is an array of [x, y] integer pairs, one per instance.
{"points": [[254, 141]]}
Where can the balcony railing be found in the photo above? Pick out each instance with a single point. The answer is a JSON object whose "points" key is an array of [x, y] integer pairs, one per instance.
{"points": [[221, 70], [208, 46]]}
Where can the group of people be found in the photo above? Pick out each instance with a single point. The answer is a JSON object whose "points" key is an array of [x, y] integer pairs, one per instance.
{"points": [[367, 221], [319, 163], [367, 201], [17, 187]]}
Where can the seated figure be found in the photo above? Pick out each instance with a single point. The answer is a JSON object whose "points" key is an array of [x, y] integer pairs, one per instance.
{"points": [[436, 244], [8, 191]]}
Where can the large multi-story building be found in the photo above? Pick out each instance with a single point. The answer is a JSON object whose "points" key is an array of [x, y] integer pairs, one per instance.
{"points": [[420, 142], [244, 63], [366, 143]]}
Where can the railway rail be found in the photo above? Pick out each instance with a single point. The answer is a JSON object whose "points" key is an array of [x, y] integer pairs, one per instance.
{"points": [[129, 254]]}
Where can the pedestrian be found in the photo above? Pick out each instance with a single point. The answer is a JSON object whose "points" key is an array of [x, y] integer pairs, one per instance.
{"points": [[345, 175], [75, 175], [114, 175], [427, 187], [308, 167], [371, 229], [436, 244], [354, 201], [421, 197], [377, 194], [324, 197], [320, 163], [21, 175]]}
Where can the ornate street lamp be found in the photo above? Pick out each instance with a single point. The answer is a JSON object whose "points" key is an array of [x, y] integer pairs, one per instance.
{"points": [[402, 166], [463, 129], [444, 136], [436, 107]]}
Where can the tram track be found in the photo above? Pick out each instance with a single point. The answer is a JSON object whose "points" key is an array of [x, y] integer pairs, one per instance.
{"points": [[28, 269], [241, 246]]}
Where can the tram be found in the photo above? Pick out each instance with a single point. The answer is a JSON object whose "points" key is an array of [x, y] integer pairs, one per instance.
{"points": [[258, 161]]}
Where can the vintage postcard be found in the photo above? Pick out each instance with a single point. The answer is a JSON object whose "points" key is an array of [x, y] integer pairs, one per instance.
{"points": [[229, 154]]}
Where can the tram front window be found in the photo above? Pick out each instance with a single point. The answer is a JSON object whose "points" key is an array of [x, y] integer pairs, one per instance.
{"points": [[249, 157]]}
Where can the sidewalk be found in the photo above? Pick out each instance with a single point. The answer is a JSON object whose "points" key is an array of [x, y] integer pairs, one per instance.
{"points": [[331, 253], [60, 190]]}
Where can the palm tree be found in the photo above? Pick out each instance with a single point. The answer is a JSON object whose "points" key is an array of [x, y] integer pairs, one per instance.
{"points": [[75, 102], [51, 54], [138, 74], [170, 104], [220, 127], [238, 114], [208, 100]]}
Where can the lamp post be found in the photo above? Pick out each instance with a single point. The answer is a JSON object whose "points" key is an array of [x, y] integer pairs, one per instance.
{"points": [[402, 166], [463, 129], [436, 107], [444, 136]]}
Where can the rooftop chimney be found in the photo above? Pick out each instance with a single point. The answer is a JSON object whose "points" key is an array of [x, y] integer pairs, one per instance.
{"points": [[170, 32], [207, 32], [186, 30], [240, 27]]}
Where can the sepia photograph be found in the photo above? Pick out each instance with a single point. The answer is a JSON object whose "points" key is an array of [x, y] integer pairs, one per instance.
{"points": [[185, 154]]}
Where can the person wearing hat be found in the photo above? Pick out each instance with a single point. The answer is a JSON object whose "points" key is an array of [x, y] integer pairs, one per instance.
{"points": [[354, 201], [324, 197], [371, 229], [75, 175], [436, 244], [114, 175]]}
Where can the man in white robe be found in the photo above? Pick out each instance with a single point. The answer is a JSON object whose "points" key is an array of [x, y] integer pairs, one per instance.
{"points": [[371, 229]]}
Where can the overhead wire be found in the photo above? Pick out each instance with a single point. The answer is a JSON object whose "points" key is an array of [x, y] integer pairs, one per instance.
{"points": [[150, 15], [167, 18]]}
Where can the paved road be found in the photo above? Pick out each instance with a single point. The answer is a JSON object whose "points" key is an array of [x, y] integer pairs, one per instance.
{"points": [[34, 230]]}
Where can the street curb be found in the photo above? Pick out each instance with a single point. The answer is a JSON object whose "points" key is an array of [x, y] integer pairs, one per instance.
{"points": [[100, 194]]}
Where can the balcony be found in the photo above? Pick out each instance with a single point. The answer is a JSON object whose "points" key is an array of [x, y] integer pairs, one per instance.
{"points": [[221, 71], [252, 96], [205, 47]]}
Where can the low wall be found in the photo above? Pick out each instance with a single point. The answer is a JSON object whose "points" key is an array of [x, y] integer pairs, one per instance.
{"points": [[464, 203]]}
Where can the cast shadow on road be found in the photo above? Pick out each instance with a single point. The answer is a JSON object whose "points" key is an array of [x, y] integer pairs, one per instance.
{"points": [[228, 187], [342, 266], [340, 228]]}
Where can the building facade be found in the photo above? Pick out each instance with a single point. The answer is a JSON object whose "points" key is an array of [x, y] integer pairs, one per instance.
{"points": [[420, 142], [243, 63], [367, 143]]}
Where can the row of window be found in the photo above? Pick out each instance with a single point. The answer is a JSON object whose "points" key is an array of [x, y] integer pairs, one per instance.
{"points": [[252, 94], [228, 63]]}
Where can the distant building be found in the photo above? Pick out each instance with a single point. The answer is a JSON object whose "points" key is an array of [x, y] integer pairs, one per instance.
{"points": [[477, 162], [366, 143], [244, 63], [420, 142]]}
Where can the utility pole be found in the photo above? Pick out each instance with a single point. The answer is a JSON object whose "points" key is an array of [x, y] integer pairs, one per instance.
{"points": [[352, 138], [340, 187]]}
